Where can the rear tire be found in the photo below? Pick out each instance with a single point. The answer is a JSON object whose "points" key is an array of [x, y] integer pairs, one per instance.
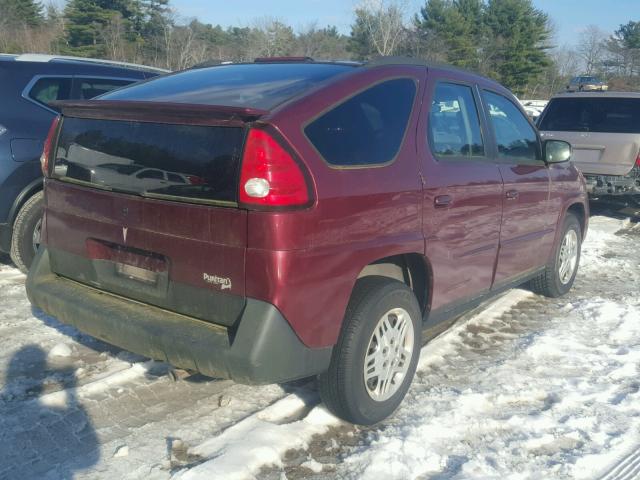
{"points": [[26, 232], [380, 340], [560, 273]]}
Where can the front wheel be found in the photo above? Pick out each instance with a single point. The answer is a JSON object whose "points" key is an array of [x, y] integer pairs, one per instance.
{"points": [[375, 359], [560, 272]]}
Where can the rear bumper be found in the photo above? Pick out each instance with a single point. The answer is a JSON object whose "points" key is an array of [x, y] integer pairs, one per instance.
{"points": [[614, 184], [261, 348]]}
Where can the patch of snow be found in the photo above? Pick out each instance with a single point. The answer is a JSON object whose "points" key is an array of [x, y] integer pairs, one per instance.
{"points": [[121, 451], [260, 440], [315, 467], [60, 350]]}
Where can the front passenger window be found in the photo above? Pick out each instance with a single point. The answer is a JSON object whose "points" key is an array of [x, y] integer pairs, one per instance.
{"points": [[515, 137]]}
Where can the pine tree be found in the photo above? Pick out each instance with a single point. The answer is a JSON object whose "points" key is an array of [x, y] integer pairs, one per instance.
{"points": [[21, 12], [359, 44], [457, 25], [87, 21], [519, 35]]}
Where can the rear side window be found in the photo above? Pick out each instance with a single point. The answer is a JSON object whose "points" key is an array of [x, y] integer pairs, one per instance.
{"points": [[183, 162], [366, 129], [606, 115], [515, 137], [454, 125], [92, 87], [47, 90]]}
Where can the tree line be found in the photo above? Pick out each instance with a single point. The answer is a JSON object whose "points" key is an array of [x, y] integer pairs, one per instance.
{"points": [[508, 40]]}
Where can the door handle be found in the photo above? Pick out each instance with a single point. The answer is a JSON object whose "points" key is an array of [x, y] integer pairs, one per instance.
{"points": [[512, 194], [442, 201]]}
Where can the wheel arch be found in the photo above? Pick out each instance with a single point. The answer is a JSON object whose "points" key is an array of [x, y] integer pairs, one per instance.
{"points": [[579, 211], [413, 269], [25, 194]]}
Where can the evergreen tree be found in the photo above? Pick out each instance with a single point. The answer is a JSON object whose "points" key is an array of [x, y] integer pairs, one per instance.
{"points": [[87, 20], [629, 35], [519, 35], [359, 44], [457, 25], [14, 13]]}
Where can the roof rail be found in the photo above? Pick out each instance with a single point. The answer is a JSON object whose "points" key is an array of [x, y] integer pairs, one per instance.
{"points": [[40, 57], [402, 60], [283, 59]]}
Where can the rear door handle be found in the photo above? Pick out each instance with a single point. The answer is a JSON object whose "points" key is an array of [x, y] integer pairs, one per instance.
{"points": [[442, 201], [512, 194]]}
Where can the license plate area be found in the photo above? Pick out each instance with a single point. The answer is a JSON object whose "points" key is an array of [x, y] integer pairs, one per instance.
{"points": [[148, 277], [128, 271]]}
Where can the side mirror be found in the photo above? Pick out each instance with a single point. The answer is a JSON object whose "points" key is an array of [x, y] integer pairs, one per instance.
{"points": [[557, 151]]}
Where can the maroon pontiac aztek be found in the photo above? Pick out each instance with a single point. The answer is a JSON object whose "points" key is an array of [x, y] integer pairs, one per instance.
{"points": [[286, 218]]}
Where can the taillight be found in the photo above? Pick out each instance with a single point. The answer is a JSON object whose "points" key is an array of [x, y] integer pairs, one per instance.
{"points": [[48, 143], [270, 176], [638, 160]]}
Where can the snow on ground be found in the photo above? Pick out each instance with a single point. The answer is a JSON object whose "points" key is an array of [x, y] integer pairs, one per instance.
{"points": [[526, 388]]}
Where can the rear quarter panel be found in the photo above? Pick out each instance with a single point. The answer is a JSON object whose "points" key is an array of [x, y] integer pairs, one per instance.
{"points": [[307, 262]]}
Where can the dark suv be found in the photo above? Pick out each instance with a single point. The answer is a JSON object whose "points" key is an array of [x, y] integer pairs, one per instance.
{"points": [[28, 85], [331, 218]]}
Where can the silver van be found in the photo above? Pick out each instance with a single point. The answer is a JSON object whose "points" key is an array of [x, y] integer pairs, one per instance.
{"points": [[604, 130]]}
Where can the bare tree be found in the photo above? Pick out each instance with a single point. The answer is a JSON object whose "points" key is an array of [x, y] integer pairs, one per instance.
{"points": [[592, 48], [271, 37], [113, 37], [384, 22]]}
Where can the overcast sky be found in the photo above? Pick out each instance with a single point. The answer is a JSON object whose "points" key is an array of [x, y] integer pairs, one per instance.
{"points": [[569, 16]]}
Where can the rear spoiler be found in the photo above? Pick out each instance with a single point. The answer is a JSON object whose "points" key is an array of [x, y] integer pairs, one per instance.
{"points": [[159, 112]]}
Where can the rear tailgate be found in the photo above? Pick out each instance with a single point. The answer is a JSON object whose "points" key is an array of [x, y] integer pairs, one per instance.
{"points": [[142, 203], [604, 131], [601, 153]]}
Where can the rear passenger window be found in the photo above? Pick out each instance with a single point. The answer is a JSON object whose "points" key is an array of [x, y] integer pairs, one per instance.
{"points": [[154, 174], [454, 125], [92, 87], [47, 90], [172, 177], [515, 137], [366, 129]]}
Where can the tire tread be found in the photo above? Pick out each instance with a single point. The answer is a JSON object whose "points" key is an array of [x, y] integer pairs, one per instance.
{"points": [[28, 209]]}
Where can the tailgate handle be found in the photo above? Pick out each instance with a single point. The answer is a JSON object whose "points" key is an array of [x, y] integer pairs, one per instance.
{"points": [[442, 201]]}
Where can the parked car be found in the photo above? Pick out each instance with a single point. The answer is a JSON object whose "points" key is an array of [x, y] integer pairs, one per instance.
{"points": [[533, 108], [347, 212], [29, 84], [586, 83], [604, 129]]}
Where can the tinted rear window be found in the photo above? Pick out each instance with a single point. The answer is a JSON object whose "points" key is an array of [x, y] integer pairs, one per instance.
{"points": [[184, 161], [47, 90], [366, 129], [92, 87], [242, 85], [608, 115]]}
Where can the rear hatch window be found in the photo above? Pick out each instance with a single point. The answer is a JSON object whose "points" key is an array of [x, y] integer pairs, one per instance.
{"points": [[604, 115], [242, 85], [177, 162]]}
